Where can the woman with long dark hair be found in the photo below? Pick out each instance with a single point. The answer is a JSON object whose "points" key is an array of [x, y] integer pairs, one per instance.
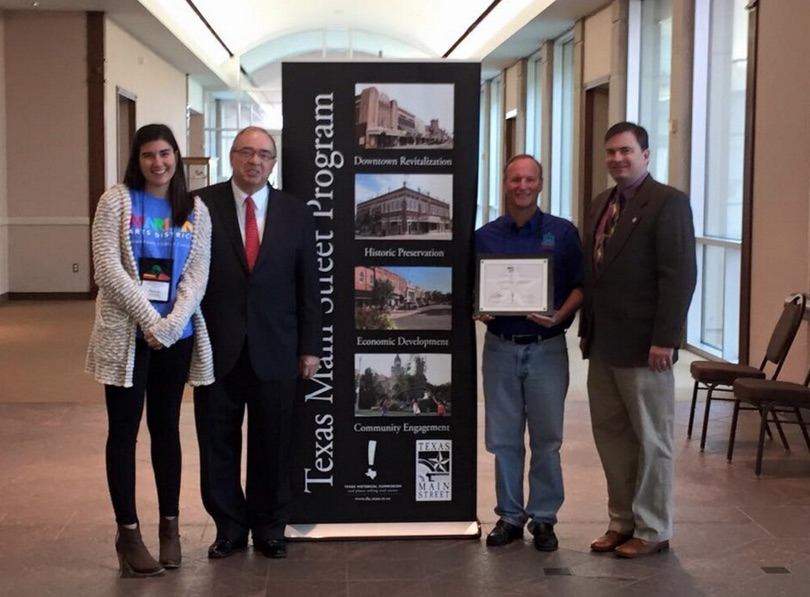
{"points": [[151, 251]]}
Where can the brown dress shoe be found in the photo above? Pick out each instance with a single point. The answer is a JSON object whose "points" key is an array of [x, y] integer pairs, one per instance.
{"points": [[639, 548], [609, 541]]}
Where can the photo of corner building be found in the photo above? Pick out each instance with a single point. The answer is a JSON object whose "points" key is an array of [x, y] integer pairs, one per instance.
{"points": [[722, 86], [404, 212], [385, 121]]}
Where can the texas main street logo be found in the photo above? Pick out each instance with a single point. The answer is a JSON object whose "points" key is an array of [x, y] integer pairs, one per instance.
{"points": [[434, 482]]}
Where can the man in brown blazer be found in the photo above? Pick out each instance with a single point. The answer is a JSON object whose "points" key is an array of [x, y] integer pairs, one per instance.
{"points": [[640, 274]]}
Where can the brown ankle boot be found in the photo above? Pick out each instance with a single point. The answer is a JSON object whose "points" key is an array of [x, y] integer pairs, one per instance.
{"points": [[133, 557], [170, 554]]}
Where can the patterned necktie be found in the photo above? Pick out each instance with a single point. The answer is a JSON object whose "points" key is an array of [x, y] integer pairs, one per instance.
{"points": [[251, 233], [614, 211]]}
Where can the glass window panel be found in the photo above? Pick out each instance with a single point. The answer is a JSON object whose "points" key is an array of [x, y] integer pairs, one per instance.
{"points": [[495, 134], [224, 154], [482, 179], [228, 114], [731, 304], [711, 332], [725, 120], [654, 89], [534, 106], [720, 300], [718, 138], [562, 129]]}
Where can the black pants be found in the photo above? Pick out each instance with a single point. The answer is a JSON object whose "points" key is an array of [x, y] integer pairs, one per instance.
{"points": [[160, 375], [264, 507]]}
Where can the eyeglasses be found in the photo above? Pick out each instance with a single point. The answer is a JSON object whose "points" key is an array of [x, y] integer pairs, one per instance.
{"points": [[248, 153]]}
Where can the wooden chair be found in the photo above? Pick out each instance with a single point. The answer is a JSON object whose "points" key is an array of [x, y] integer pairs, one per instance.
{"points": [[713, 376], [771, 397]]}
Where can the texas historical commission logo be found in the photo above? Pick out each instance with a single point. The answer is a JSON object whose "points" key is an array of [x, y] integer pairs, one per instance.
{"points": [[433, 470]]}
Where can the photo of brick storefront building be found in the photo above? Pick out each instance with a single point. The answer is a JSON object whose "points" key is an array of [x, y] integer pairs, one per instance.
{"points": [[404, 212], [366, 277]]}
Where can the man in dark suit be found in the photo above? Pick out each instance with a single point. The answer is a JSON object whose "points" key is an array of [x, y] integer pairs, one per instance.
{"points": [[263, 314], [640, 274]]}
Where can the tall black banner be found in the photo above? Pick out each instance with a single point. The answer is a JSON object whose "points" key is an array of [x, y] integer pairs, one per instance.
{"points": [[387, 156]]}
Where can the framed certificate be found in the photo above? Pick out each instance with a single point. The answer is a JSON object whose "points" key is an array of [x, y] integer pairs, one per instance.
{"points": [[514, 284], [198, 172]]}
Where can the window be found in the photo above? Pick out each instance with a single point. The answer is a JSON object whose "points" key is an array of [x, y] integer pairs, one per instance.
{"points": [[226, 116], [655, 66], [534, 105], [562, 131], [718, 123], [483, 146], [495, 146]]}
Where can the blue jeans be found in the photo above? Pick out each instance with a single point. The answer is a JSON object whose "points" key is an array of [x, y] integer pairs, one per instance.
{"points": [[525, 385]]}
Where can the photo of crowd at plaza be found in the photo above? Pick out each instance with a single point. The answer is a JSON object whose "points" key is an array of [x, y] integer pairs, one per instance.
{"points": [[403, 207], [385, 386], [404, 116], [387, 298]]}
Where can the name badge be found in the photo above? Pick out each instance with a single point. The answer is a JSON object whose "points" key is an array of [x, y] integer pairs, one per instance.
{"points": [[156, 278]]}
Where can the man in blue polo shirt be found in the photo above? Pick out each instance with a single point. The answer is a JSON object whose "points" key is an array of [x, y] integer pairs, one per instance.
{"points": [[525, 362]]}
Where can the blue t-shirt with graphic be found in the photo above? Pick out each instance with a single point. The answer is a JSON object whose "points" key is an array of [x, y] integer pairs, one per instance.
{"points": [[152, 235]]}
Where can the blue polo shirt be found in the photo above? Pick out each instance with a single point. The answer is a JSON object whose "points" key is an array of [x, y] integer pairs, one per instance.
{"points": [[543, 233]]}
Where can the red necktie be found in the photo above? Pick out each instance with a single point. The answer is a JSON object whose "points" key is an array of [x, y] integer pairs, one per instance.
{"points": [[614, 211], [251, 233]]}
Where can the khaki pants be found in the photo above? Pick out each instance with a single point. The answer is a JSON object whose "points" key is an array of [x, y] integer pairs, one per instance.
{"points": [[632, 417]]}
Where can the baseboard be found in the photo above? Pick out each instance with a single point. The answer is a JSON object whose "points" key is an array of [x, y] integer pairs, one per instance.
{"points": [[48, 296]]}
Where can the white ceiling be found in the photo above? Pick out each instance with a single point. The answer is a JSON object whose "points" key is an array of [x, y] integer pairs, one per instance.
{"points": [[261, 33]]}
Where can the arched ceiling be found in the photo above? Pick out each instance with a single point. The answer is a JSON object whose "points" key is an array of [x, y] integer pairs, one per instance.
{"points": [[231, 44]]}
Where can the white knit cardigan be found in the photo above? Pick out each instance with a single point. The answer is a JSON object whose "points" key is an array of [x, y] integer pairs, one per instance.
{"points": [[121, 305]]}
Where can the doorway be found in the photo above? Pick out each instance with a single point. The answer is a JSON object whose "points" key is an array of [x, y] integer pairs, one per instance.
{"points": [[596, 124], [125, 129]]}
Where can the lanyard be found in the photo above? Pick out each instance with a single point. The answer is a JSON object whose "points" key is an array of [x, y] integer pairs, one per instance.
{"points": [[155, 273]]}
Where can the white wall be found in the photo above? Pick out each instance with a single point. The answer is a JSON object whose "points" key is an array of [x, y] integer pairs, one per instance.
{"points": [[47, 179], [44, 187], [3, 177], [196, 98], [512, 86], [781, 197], [598, 35], [159, 87]]}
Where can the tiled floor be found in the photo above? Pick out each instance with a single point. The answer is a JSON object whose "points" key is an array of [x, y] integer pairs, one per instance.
{"points": [[734, 534]]}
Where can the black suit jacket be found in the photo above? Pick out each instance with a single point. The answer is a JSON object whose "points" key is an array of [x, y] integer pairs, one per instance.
{"points": [[277, 306], [640, 295]]}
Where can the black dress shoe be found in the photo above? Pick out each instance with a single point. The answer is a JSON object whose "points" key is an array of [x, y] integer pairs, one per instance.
{"points": [[223, 548], [271, 548], [503, 534], [544, 537]]}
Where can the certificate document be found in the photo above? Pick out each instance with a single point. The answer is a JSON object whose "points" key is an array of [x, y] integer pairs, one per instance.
{"points": [[514, 284]]}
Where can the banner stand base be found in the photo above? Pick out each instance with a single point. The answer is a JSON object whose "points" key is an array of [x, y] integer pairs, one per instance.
{"points": [[384, 530]]}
